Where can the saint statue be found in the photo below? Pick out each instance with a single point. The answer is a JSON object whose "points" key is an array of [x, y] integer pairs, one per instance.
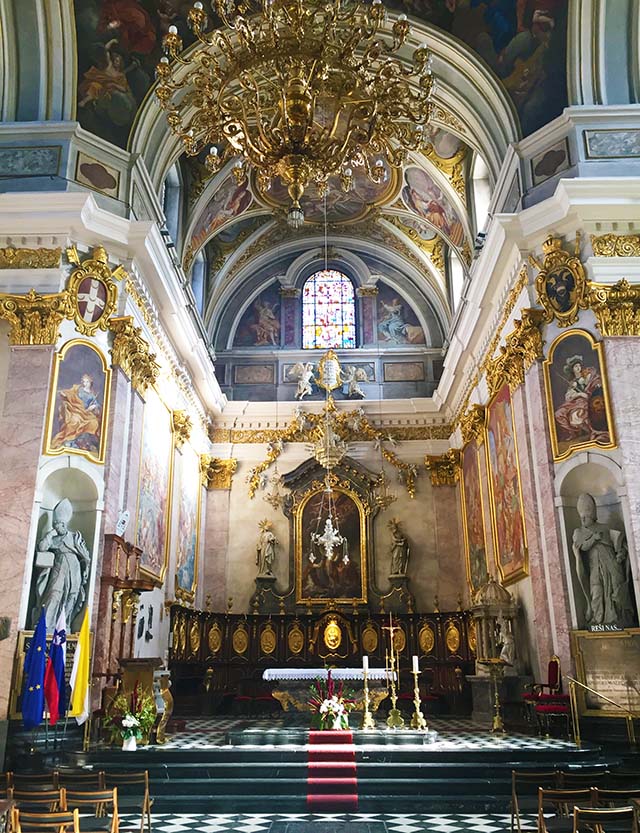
{"points": [[507, 642], [266, 549], [64, 562], [603, 570], [399, 549]]}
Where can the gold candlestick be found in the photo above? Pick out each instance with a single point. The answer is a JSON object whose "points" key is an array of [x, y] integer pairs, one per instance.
{"points": [[418, 720], [395, 719], [367, 718], [496, 670]]}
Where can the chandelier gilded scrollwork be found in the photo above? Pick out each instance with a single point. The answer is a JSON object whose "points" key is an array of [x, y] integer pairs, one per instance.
{"points": [[297, 90]]}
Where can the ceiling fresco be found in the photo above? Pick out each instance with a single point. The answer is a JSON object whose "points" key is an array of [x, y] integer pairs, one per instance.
{"points": [[119, 44]]}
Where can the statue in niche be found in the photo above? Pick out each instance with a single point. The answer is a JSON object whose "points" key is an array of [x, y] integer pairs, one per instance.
{"points": [[64, 562], [603, 569], [266, 549], [399, 549]]}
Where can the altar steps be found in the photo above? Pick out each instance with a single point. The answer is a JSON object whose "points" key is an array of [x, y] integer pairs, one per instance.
{"points": [[392, 778]]}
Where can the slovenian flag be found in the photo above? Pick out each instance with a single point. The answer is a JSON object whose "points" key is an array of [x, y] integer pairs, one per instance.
{"points": [[55, 687], [33, 695]]}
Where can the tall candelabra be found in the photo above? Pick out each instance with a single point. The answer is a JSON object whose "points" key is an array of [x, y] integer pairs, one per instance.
{"points": [[367, 718], [496, 670], [417, 720], [395, 719]]}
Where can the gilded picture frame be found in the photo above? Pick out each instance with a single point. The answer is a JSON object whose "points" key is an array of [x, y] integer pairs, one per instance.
{"points": [[155, 484], [505, 492], [475, 551], [577, 394], [78, 405], [188, 491], [305, 517]]}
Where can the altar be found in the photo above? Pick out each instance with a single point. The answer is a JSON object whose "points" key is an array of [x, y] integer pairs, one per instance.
{"points": [[292, 685]]}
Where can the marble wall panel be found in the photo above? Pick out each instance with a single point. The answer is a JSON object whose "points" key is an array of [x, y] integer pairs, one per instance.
{"points": [[213, 568]]}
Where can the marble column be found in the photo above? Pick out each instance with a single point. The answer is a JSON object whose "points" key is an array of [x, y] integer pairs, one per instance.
{"points": [[550, 583], [21, 433], [290, 298], [623, 369], [216, 542], [367, 296], [451, 573]]}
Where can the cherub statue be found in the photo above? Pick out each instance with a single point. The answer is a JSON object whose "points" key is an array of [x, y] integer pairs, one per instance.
{"points": [[352, 376], [302, 373]]}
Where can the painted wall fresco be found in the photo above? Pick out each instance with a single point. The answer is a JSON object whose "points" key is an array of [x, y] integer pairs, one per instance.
{"points": [[189, 492], [260, 323], [505, 490], [422, 195], [397, 322], [473, 518], [119, 44], [323, 578], [154, 488], [229, 201], [577, 397], [78, 403]]}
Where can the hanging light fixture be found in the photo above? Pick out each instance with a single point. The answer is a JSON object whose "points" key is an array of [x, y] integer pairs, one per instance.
{"points": [[300, 90]]}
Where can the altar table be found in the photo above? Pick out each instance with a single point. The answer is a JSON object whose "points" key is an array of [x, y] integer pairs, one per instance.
{"points": [[292, 685]]}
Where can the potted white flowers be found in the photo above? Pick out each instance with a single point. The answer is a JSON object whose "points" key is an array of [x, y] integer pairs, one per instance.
{"points": [[130, 732], [330, 704]]}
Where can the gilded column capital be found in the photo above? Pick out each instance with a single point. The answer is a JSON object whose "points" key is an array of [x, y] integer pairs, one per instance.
{"points": [[182, 426], [617, 308], [131, 352], [367, 291], [523, 346], [11, 258], [471, 422], [35, 319], [616, 245], [290, 292], [445, 468], [217, 473]]}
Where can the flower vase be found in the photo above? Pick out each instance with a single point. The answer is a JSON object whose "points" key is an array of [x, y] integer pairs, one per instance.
{"points": [[337, 723], [129, 744]]}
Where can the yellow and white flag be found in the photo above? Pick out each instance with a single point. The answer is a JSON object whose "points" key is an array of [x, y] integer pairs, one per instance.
{"points": [[79, 680]]}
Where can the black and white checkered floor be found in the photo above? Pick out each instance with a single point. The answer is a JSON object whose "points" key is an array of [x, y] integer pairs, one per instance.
{"points": [[203, 733], [334, 823]]}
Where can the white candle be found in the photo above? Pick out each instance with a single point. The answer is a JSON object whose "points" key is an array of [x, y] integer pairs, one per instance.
{"points": [[416, 667], [365, 663]]}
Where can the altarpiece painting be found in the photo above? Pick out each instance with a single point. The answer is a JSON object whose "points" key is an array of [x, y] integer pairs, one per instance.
{"points": [[473, 518], [153, 517], [505, 489], [188, 490]]}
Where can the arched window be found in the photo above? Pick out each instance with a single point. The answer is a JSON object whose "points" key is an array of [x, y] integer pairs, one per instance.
{"points": [[328, 311]]}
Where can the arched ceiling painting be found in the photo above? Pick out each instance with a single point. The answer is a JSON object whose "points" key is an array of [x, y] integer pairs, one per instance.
{"points": [[119, 44]]}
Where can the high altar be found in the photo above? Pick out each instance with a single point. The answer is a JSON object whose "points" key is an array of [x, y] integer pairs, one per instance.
{"points": [[292, 685]]}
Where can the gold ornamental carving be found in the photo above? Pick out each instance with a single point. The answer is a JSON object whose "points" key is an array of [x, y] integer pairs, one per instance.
{"points": [[34, 319], [398, 433], [332, 635], [445, 468], [561, 283], [131, 352], [452, 638], [11, 258], [433, 248], [268, 639], [295, 639], [617, 308], [182, 426], [215, 638], [523, 346], [369, 640], [399, 640], [426, 639], [472, 423], [217, 473], [367, 291], [194, 637], [616, 245], [92, 290], [240, 640], [472, 638]]}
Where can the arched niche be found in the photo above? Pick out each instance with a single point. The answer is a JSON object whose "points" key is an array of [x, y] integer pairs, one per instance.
{"points": [[83, 488], [600, 476]]}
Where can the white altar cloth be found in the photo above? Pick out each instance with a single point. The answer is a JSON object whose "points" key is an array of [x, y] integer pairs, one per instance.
{"points": [[283, 674]]}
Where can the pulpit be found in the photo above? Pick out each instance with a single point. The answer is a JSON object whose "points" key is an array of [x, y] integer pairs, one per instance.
{"points": [[292, 685], [139, 672]]}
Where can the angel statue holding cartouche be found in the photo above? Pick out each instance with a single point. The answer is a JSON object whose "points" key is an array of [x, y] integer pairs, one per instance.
{"points": [[302, 373]]}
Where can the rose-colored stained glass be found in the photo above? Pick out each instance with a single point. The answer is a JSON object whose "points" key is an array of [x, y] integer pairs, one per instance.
{"points": [[328, 311]]}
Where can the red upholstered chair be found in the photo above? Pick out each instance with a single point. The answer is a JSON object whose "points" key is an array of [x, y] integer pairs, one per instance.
{"points": [[545, 702]]}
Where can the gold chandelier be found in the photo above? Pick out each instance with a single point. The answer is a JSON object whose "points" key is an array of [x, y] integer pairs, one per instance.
{"points": [[297, 89]]}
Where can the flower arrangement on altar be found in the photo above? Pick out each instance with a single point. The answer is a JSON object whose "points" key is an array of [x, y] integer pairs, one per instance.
{"points": [[130, 716], [330, 704]]}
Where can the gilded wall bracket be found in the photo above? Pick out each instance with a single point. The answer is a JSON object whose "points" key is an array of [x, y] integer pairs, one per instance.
{"points": [[216, 473], [471, 423], [131, 352], [522, 348], [182, 426], [445, 468]]}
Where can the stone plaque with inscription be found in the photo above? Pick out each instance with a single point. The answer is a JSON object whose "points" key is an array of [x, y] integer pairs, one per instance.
{"points": [[609, 663]]}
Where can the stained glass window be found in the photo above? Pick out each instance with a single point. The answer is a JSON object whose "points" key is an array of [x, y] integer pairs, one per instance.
{"points": [[328, 311]]}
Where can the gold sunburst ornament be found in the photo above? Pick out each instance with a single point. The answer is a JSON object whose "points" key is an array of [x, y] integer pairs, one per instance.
{"points": [[300, 90]]}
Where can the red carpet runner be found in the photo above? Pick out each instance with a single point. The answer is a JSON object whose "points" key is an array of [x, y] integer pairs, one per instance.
{"points": [[331, 780]]}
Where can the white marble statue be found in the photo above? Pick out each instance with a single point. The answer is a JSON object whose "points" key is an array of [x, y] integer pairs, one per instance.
{"points": [[352, 377], [266, 549], [399, 549], [508, 649], [602, 567], [63, 563], [302, 373]]}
